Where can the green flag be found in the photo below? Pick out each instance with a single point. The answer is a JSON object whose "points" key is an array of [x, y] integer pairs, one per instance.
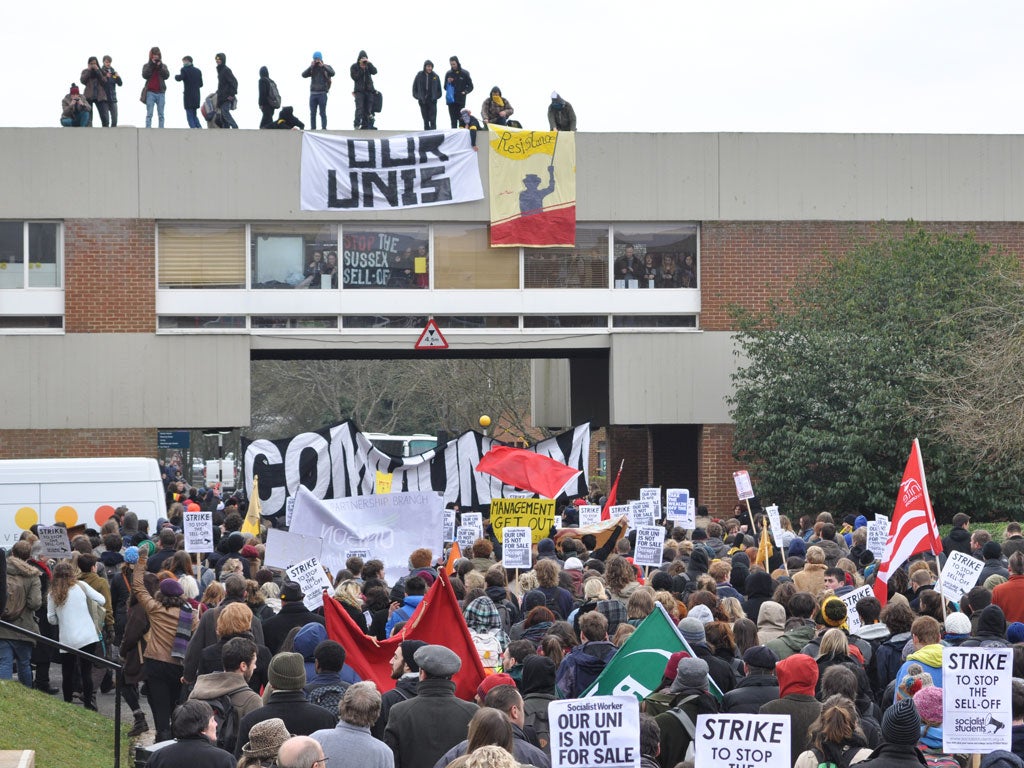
{"points": [[639, 665]]}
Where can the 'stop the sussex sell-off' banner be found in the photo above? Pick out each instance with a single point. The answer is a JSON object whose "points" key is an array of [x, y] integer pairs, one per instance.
{"points": [[339, 461], [342, 173], [533, 187]]}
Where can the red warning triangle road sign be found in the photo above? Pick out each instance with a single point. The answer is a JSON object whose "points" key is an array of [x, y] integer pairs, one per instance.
{"points": [[431, 338]]}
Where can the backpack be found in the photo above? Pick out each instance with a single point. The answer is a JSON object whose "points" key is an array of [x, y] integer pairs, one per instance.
{"points": [[16, 600], [227, 718], [209, 108], [489, 648], [551, 603], [844, 759], [688, 725], [328, 696], [273, 95]]}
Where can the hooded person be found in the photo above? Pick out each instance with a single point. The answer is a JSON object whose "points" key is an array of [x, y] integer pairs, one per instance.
{"points": [[799, 630], [306, 641], [485, 628], [740, 571], [991, 632], [758, 589], [699, 562], [798, 678], [561, 115], [538, 688], [496, 108], [265, 100], [426, 89], [457, 84], [690, 689], [771, 621], [901, 731]]}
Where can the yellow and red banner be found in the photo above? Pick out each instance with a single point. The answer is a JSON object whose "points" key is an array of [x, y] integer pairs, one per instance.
{"points": [[533, 187]]}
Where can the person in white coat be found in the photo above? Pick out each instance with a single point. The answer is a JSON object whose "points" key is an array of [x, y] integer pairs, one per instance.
{"points": [[68, 608]]}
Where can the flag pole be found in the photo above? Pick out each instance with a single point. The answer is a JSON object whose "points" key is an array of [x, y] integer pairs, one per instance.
{"points": [[750, 512], [931, 512]]}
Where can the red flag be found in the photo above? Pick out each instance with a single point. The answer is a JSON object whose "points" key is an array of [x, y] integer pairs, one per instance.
{"points": [[606, 513], [912, 529], [438, 621], [453, 554], [527, 470]]}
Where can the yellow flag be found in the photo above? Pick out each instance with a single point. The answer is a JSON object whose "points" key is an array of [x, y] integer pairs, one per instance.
{"points": [[383, 482], [252, 517], [764, 549]]}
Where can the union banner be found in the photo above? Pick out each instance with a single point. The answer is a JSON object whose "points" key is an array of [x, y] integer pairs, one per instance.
{"points": [[533, 187]]}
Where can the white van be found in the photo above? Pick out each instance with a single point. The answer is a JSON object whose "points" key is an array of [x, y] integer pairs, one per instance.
{"points": [[76, 492]]}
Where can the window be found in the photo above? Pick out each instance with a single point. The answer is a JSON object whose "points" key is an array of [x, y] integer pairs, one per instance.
{"points": [[655, 256], [200, 255], [293, 256], [389, 257], [201, 323], [565, 321], [400, 322], [464, 322], [463, 258], [585, 266], [280, 322], [654, 321], [41, 268]]}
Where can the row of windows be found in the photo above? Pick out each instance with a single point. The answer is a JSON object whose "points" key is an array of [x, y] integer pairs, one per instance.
{"points": [[312, 323], [442, 256], [30, 254]]}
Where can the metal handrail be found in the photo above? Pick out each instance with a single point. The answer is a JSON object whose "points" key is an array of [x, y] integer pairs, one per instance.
{"points": [[96, 660]]}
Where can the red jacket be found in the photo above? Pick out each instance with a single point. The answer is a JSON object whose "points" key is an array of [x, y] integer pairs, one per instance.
{"points": [[1010, 597]]}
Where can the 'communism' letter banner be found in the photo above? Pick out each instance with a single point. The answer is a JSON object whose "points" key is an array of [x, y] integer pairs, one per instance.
{"points": [[533, 187]]}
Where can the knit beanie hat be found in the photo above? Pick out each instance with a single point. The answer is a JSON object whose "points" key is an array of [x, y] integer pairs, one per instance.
{"points": [[1015, 632], [148, 544], [691, 673], [131, 555], [692, 629], [171, 588], [287, 672], [317, 55], [701, 613], [994, 580], [901, 724], [957, 624], [409, 648], [929, 704], [833, 612], [544, 546], [673, 664]]}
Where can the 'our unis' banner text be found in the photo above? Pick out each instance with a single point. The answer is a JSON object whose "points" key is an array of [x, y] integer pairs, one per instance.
{"points": [[533, 187], [352, 174]]}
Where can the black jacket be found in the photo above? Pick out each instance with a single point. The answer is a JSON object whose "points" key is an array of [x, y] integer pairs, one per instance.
{"points": [[405, 689], [263, 101], [422, 729], [426, 87], [195, 752], [192, 77], [959, 539], [362, 79], [227, 86], [292, 615], [894, 756], [300, 717], [719, 670], [461, 80], [991, 632], [750, 693]]}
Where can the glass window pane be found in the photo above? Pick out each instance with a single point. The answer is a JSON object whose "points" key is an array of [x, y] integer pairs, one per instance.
{"points": [[30, 322], [200, 323], [383, 322], [12, 259], [655, 321], [565, 321], [43, 264], [292, 256], [463, 258], [470, 322], [385, 257], [329, 322], [201, 255], [585, 266], [656, 256]]}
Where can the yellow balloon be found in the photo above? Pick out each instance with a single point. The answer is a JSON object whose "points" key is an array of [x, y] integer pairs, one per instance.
{"points": [[485, 421]]}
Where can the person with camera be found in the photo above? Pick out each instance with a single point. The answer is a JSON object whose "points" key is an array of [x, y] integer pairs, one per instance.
{"points": [[74, 109], [227, 90], [95, 81], [320, 75], [155, 73], [113, 80], [363, 91]]}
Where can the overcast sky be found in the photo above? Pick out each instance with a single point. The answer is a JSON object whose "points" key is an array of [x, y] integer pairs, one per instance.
{"points": [[932, 66]]}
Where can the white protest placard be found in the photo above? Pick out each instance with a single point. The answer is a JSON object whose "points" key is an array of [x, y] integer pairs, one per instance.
{"points": [[652, 495], [590, 514], [198, 530], [619, 510], [977, 716], [744, 488], [850, 599], [776, 523], [596, 731], [449, 525], [558, 522], [285, 548], [676, 502], [311, 577], [515, 549], [743, 741], [465, 537], [55, 541], [641, 513], [959, 575], [473, 520], [690, 523], [878, 532], [650, 541], [289, 510]]}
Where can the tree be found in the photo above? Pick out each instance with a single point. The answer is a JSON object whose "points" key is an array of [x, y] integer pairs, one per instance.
{"points": [[835, 384]]}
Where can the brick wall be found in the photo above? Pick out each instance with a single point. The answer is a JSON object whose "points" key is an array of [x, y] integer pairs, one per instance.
{"points": [[76, 443], [109, 276], [632, 444], [748, 263], [717, 491]]}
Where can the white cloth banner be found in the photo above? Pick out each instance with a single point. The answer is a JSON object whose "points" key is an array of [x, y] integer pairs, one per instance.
{"points": [[285, 548], [344, 173], [389, 527]]}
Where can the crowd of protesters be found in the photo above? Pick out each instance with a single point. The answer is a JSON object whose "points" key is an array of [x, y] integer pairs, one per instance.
{"points": [[101, 83], [768, 634]]}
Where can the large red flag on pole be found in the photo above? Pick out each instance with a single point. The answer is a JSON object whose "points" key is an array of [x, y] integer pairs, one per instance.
{"points": [[528, 470], [912, 529], [606, 511], [437, 620]]}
